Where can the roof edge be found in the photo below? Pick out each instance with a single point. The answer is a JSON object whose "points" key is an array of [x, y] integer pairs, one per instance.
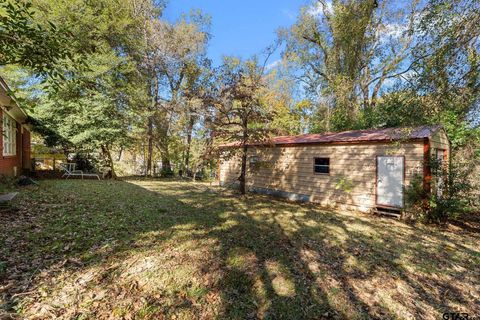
{"points": [[270, 145], [345, 137], [16, 105]]}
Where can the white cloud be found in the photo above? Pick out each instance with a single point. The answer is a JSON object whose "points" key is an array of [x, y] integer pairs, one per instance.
{"points": [[318, 8], [392, 30], [409, 74], [289, 14], [273, 64]]}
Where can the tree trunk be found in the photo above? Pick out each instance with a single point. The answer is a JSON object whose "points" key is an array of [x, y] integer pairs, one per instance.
{"points": [[154, 104], [134, 158], [243, 172], [112, 167], [120, 154], [108, 155], [166, 166], [243, 189], [148, 172], [189, 142], [195, 173]]}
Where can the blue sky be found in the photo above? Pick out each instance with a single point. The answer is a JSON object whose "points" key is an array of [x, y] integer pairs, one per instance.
{"points": [[240, 27]]}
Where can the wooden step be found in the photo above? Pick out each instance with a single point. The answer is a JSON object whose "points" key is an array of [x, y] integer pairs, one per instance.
{"points": [[391, 212]]}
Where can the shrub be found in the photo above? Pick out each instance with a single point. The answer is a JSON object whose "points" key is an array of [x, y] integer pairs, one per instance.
{"points": [[454, 199], [85, 162], [166, 172]]}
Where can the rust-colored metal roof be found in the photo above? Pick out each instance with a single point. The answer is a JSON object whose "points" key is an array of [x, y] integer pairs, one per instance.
{"points": [[353, 136]]}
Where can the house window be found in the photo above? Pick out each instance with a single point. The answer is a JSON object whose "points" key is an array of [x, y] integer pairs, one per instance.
{"points": [[254, 159], [321, 165], [9, 131]]}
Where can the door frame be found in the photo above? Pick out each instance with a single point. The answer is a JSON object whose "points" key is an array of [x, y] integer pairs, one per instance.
{"points": [[403, 181]]}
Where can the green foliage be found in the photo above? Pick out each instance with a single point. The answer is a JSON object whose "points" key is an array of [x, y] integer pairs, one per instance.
{"points": [[242, 114], [94, 104], [29, 43], [175, 72], [406, 108], [345, 184], [397, 109], [432, 66], [133, 80], [415, 197], [166, 172], [454, 199], [448, 52], [131, 75], [85, 162], [291, 116]]}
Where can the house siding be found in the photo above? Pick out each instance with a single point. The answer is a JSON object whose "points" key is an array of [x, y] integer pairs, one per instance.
{"points": [[351, 183], [21, 160], [439, 141]]}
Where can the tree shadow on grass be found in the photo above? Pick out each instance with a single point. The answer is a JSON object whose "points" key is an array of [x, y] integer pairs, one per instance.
{"points": [[426, 279], [159, 248]]}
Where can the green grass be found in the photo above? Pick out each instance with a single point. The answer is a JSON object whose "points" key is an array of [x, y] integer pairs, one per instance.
{"points": [[147, 249]]}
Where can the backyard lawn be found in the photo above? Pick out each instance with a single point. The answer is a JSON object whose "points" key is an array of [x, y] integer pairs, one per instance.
{"points": [[155, 249]]}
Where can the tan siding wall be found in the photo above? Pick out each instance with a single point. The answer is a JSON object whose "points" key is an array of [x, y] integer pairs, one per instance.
{"points": [[229, 170], [439, 141], [350, 184]]}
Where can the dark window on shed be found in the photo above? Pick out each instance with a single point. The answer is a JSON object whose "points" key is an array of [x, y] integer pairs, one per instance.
{"points": [[321, 165]]}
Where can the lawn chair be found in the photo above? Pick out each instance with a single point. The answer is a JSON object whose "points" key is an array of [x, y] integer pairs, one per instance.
{"points": [[70, 171]]}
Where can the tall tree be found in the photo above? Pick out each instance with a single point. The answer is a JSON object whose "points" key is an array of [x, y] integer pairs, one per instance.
{"points": [[291, 116], [198, 79], [92, 108], [147, 11], [240, 115], [171, 50], [347, 50], [444, 85], [448, 64]]}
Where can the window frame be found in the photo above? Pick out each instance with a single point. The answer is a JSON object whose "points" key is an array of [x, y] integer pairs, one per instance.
{"points": [[252, 160], [9, 135], [321, 165]]}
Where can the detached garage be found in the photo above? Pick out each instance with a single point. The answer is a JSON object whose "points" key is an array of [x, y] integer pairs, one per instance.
{"points": [[353, 170]]}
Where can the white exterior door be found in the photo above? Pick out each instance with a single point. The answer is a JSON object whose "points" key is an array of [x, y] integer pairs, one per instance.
{"points": [[390, 171]]}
